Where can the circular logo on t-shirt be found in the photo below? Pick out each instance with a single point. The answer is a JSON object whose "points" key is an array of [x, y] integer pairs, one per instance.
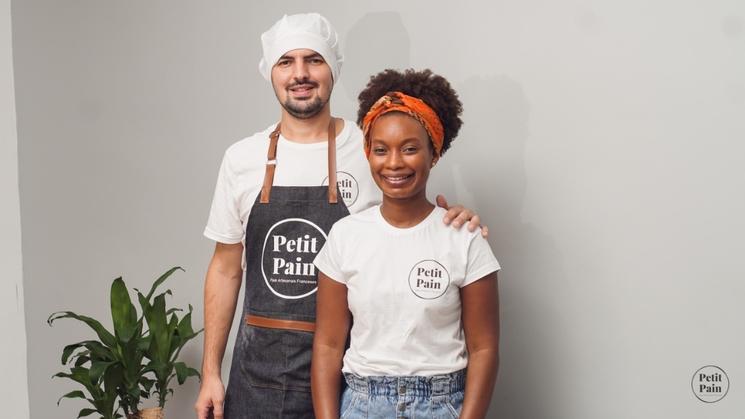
{"points": [[348, 187], [428, 279], [287, 259], [710, 384]]}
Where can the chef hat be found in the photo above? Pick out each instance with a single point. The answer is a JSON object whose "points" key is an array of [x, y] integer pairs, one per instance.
{"points": [[305, 30]]}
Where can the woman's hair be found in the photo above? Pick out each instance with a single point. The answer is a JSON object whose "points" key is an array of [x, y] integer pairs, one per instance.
{"points": [[434, 90]]}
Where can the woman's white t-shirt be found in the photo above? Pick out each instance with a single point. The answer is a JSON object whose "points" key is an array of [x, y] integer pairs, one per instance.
{"points": [[403, 290]]}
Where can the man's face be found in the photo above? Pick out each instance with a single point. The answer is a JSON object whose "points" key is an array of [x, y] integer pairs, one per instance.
{"points": [[302, 82]]}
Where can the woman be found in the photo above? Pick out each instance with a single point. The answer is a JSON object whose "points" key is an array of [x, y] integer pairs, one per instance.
{"points": [[424, 341]]}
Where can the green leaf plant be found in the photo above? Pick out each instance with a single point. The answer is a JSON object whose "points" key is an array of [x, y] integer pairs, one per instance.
{"points": [[168, 336], [133, 362]]}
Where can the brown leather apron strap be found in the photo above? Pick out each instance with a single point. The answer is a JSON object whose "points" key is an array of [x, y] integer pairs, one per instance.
{"points": [[270, 323], [332, 162], [271, 164]]}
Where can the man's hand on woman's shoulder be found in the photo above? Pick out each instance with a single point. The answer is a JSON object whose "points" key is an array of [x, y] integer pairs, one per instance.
{"points": [[458, 215]]}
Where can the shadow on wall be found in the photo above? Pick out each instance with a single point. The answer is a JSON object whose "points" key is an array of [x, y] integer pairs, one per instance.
{"points": [[485, 170], [369, 50]]}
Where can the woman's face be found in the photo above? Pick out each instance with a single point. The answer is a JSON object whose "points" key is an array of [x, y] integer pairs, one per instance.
{"points": [[400, 156]]}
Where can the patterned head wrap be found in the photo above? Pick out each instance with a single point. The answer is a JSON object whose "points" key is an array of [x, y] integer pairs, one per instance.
{"points": [[412, 106]]}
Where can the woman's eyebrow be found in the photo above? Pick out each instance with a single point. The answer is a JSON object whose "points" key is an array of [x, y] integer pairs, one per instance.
{"points": [[404, 140]]}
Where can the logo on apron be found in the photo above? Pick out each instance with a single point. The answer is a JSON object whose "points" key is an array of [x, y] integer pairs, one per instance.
{"points": [[348, 187], [428, 279], [287, 258]]}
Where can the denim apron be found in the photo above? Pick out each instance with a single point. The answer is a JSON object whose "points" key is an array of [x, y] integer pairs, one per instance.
{"points": [[287, 226]]}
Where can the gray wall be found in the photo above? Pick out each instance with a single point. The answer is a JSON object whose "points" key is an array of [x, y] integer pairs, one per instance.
{"points": [[603, 147], [14, 385]]}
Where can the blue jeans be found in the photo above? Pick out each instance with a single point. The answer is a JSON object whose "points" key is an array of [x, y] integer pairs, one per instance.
{"points": [[438, 396]]}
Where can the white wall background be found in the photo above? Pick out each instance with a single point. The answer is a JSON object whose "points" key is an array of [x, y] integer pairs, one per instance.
{"points": [[603, 146], [14, 384]]}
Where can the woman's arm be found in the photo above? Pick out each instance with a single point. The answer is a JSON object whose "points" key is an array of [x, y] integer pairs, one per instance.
{"points": [[332, 328], [480, 307]]}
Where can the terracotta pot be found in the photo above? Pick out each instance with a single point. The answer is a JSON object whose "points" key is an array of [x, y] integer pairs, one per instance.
{"points": [[151, 413]]}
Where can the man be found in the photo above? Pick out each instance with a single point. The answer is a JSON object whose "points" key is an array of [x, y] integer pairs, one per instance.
{"points": [[282, 206]]}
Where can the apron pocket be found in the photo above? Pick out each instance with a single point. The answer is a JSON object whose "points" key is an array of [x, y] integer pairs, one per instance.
{"points": [[298, 346], [276, 358]]}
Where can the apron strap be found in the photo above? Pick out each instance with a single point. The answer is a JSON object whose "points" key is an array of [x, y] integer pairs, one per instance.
{"points": [[271, 164], [270, 323], [332, 162]]}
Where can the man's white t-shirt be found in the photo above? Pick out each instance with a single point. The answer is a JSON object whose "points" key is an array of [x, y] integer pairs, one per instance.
{"points": [[242, 174], [403, 290]]}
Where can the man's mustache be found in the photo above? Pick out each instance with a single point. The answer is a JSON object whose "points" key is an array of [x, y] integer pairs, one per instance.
{"points": [[306, 82]]}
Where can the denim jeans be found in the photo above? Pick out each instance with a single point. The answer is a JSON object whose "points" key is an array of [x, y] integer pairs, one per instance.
{"points": [[438, 396]]}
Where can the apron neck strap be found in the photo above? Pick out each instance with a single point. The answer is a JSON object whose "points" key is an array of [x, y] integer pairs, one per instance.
{"points": [[332, 162], [271, 164]]}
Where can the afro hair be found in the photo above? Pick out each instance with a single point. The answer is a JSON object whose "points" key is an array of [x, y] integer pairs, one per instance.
{"points": [[434, 90]]}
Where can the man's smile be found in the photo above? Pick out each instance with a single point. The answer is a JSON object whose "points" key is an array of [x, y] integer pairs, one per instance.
{"points": [[302, 90]]}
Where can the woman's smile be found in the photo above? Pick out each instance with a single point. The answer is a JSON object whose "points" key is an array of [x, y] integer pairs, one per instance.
{"points": [[398, 180]]}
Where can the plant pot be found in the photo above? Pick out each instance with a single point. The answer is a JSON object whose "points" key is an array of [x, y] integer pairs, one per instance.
{"points": [[151, 413]]}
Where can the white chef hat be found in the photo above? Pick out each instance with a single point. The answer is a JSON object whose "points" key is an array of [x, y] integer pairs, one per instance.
{"points": [[304, 30]]}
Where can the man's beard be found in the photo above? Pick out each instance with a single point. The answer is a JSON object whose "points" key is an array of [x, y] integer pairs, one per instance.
{"points": [[304, 110]]}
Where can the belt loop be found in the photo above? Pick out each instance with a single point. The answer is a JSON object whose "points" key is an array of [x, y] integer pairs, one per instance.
{"points": [[440, 386], [358, 384]]}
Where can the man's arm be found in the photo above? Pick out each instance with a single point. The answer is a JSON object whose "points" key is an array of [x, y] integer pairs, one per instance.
{"points": [[221, 288]]}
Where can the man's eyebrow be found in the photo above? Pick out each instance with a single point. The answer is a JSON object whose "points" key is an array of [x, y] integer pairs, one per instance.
{"points": [[305, 57]]}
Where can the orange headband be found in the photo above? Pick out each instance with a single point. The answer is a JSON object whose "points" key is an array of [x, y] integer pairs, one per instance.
{"points": [[415, 107]]}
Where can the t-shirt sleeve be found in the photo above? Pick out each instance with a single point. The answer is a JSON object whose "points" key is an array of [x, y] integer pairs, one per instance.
{"points": [[224, 223], [329, 259], [481, 260]]}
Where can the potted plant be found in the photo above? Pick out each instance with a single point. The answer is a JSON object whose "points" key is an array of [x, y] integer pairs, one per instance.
{"points": [[133, 362], [168, 336]]}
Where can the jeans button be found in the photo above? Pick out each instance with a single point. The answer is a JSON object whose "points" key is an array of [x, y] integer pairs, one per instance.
{"points": [[401, 407], [402, 390]]}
